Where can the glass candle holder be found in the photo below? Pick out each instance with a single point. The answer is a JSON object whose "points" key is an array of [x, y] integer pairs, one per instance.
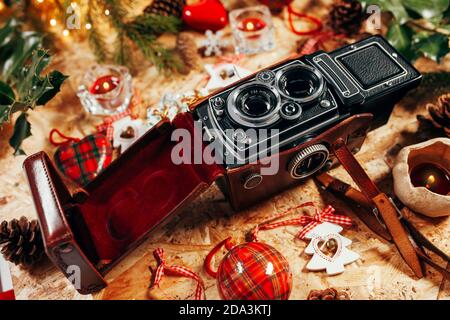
{"points": [[252, 29], [105, 89]]}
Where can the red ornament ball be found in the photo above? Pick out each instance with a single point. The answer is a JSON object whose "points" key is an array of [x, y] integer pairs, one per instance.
{"points": [[254, 271]]}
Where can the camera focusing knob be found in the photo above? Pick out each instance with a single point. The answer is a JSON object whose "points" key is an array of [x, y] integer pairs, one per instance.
{"points": [[308, 161], [265, 76], [252, 181]]}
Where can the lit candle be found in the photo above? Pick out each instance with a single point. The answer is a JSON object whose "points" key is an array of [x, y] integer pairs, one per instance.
{"points": [[105, 84], [251, 25], [432, 177]]}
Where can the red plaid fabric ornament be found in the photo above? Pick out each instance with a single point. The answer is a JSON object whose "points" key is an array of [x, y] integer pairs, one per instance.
{"points": [[82, 160], [251, 271], [176, 271]]}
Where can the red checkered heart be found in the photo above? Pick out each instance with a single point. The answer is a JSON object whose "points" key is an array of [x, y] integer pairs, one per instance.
{"points": [[83, 160]]}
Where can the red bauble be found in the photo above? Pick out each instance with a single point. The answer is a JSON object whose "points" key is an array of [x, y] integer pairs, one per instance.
{"points": [[252, 271], [206, 15]]}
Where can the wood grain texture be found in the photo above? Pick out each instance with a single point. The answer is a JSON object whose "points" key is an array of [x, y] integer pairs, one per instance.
{"points": [[187, 238]]}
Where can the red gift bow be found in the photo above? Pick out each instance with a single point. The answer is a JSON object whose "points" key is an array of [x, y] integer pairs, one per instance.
{"points": [[309, 222], [107, 127], [176, 271]]}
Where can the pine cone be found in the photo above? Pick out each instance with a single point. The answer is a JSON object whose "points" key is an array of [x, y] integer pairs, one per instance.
{"points": [[346, 17], [440, 114], [328, 294], [166, 8], [187, 48], [21, 241]]}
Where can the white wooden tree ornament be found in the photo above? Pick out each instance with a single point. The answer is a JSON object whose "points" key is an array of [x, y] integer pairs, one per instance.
{"points": [[334, 263]]}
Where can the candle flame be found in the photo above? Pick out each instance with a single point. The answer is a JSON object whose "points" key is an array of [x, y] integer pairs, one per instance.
{"points": [[430, 181], [250, 26]]}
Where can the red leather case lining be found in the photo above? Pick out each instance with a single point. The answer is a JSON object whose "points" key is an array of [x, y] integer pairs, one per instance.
{"points": [[131, 197], [140, 191]]}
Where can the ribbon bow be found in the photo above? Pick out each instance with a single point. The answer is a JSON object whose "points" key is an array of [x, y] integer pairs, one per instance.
{"points": [[326, 215], [309, 222], [176, 271]]}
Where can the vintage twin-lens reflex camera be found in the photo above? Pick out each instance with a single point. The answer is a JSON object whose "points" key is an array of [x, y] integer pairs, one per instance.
{"points": [[309, 101]]}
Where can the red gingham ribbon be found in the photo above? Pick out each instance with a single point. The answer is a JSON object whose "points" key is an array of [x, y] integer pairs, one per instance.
{"points": [[309, 222], [176, 271], [106, 126]]}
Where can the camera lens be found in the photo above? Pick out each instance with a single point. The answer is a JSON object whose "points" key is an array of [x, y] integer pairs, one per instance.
{"points": [[254, 105], [256, 101], [300, 82]]}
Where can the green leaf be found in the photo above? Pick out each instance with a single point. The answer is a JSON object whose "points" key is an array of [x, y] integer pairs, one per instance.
{"points": [[56, 79], [427, 8], [7, 96], [400, 36], [394, 6], [22, 130], [22, 49], [4, 114], [433, 46]]}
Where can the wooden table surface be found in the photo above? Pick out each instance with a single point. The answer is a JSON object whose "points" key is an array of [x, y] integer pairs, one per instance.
{"points": [[380, 273]]}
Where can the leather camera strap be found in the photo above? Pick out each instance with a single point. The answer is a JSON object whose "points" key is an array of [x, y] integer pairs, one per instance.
{"points": [[385, 206]]}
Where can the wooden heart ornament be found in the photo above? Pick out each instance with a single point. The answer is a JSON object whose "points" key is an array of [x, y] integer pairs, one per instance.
{"points": [[82, 160], [205, 15], [329, 253]]}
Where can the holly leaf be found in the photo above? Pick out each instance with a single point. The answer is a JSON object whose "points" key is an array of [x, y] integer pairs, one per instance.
{"points": [[427, 8], [56, 79], [22, 130], [20, 50], [400, 36], [7, 96], [433, 46], [394, 6]]}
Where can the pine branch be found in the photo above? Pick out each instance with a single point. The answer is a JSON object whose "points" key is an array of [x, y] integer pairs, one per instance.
{"points": [[150, 23], [96, 41]]}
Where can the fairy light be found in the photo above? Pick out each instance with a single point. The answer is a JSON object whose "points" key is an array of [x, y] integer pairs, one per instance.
{"points": [[39, 1], [53, 22], [88, 26], [65, 32], [107, 12]]}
